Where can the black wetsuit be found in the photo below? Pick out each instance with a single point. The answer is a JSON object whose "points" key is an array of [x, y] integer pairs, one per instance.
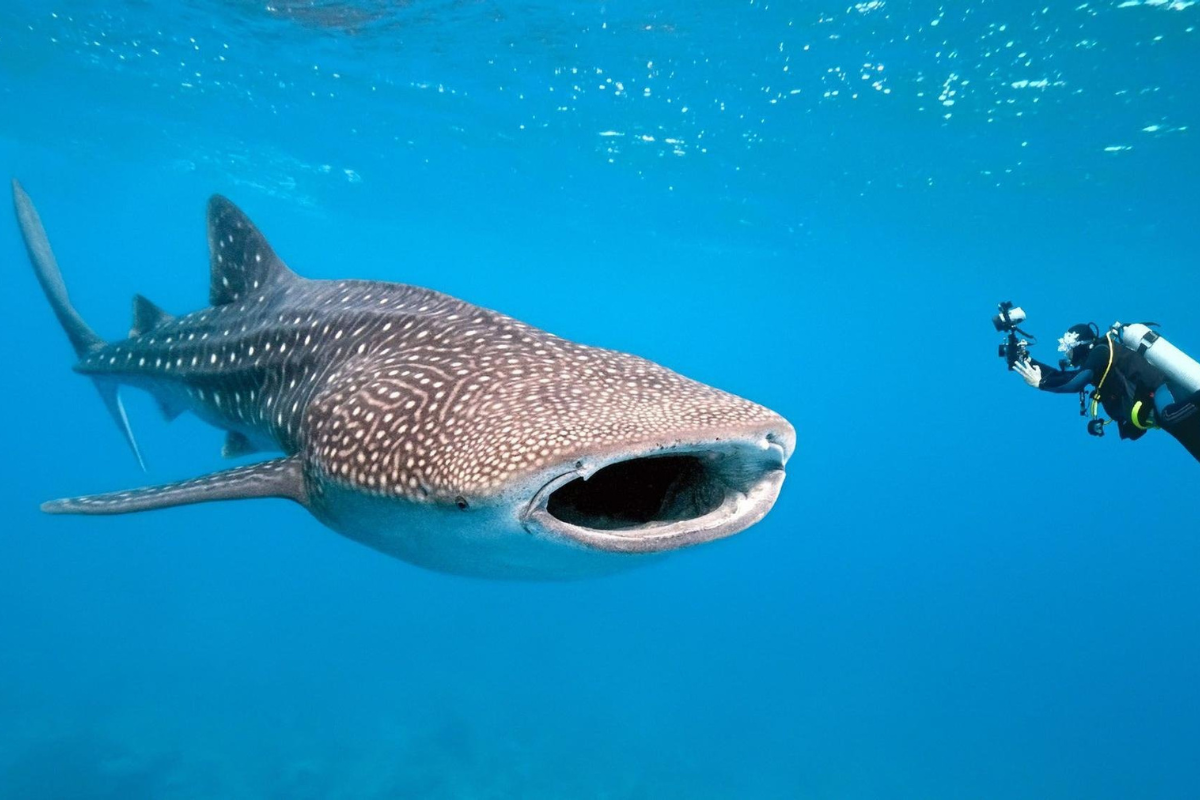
{"points": [[1182, 420], [1130, 380]]}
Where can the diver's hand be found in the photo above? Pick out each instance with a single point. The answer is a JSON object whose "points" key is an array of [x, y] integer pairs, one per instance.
{"points": [[1032, 373]]}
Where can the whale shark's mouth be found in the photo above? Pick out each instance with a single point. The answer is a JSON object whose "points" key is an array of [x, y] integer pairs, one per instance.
{"points": [[663, 500]]}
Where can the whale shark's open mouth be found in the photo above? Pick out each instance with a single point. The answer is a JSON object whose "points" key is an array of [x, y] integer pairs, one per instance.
{"points": [[662, 500]]}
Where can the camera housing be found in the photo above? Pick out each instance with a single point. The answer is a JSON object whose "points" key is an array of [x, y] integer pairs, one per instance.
{"points": [[1015, 347], [1009, 318], [1014, 350]]}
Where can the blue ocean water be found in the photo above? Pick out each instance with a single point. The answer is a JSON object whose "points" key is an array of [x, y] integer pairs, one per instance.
{"points": [[959, 592]]}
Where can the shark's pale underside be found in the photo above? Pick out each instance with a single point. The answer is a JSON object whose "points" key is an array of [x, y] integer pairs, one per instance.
{"points": [[423, 426]]}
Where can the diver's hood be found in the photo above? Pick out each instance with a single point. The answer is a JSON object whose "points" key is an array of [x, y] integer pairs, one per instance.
{"points": [[1077, 342]]}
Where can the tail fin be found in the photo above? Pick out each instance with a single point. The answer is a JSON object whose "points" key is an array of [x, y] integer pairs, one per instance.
{"points": [[83, 338]]}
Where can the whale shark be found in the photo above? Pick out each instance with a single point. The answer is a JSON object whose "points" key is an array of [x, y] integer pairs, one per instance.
{"points": [[430, 429]]}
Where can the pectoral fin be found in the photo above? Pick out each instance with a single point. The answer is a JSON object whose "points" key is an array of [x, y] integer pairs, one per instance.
{"points": [[281, 477]]}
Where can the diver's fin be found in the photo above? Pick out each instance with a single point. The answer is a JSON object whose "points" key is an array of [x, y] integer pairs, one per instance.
{"points": [[282, 477], [146, 316], [242, 262], [83, 338], [236, 445]]}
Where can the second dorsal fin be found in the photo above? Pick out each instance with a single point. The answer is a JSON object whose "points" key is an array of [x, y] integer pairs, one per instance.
{"points": [[242, 262], [146, 316]]}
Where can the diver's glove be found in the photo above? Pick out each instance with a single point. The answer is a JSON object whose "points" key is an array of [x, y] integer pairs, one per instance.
{"points": [[1032, 373]]}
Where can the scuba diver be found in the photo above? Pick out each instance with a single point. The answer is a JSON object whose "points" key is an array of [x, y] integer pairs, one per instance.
{"points": [[1135, 393]]}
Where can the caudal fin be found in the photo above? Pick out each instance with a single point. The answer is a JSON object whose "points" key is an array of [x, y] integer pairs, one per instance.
{"points": [[83, 338]]}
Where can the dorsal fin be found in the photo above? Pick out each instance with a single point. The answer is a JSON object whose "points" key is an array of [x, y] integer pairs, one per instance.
{"points": [[242, 262], [146, 316]]}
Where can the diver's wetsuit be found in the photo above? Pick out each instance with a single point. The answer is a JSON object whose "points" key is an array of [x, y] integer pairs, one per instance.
{"points": [[1131, 379]]}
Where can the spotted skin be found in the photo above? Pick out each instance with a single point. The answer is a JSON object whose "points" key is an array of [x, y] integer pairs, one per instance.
{"points": [[390, 391], [397, 389]]}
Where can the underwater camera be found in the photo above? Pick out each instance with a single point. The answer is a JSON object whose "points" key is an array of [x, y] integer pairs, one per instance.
{"points": [[1009, 318], [1014, 348]]}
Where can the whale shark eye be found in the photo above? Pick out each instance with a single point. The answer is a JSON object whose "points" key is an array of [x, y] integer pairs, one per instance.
{"points": [[461, 502]]}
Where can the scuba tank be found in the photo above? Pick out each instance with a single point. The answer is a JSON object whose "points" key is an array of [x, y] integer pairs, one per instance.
{"points": [[1182, 371]]}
